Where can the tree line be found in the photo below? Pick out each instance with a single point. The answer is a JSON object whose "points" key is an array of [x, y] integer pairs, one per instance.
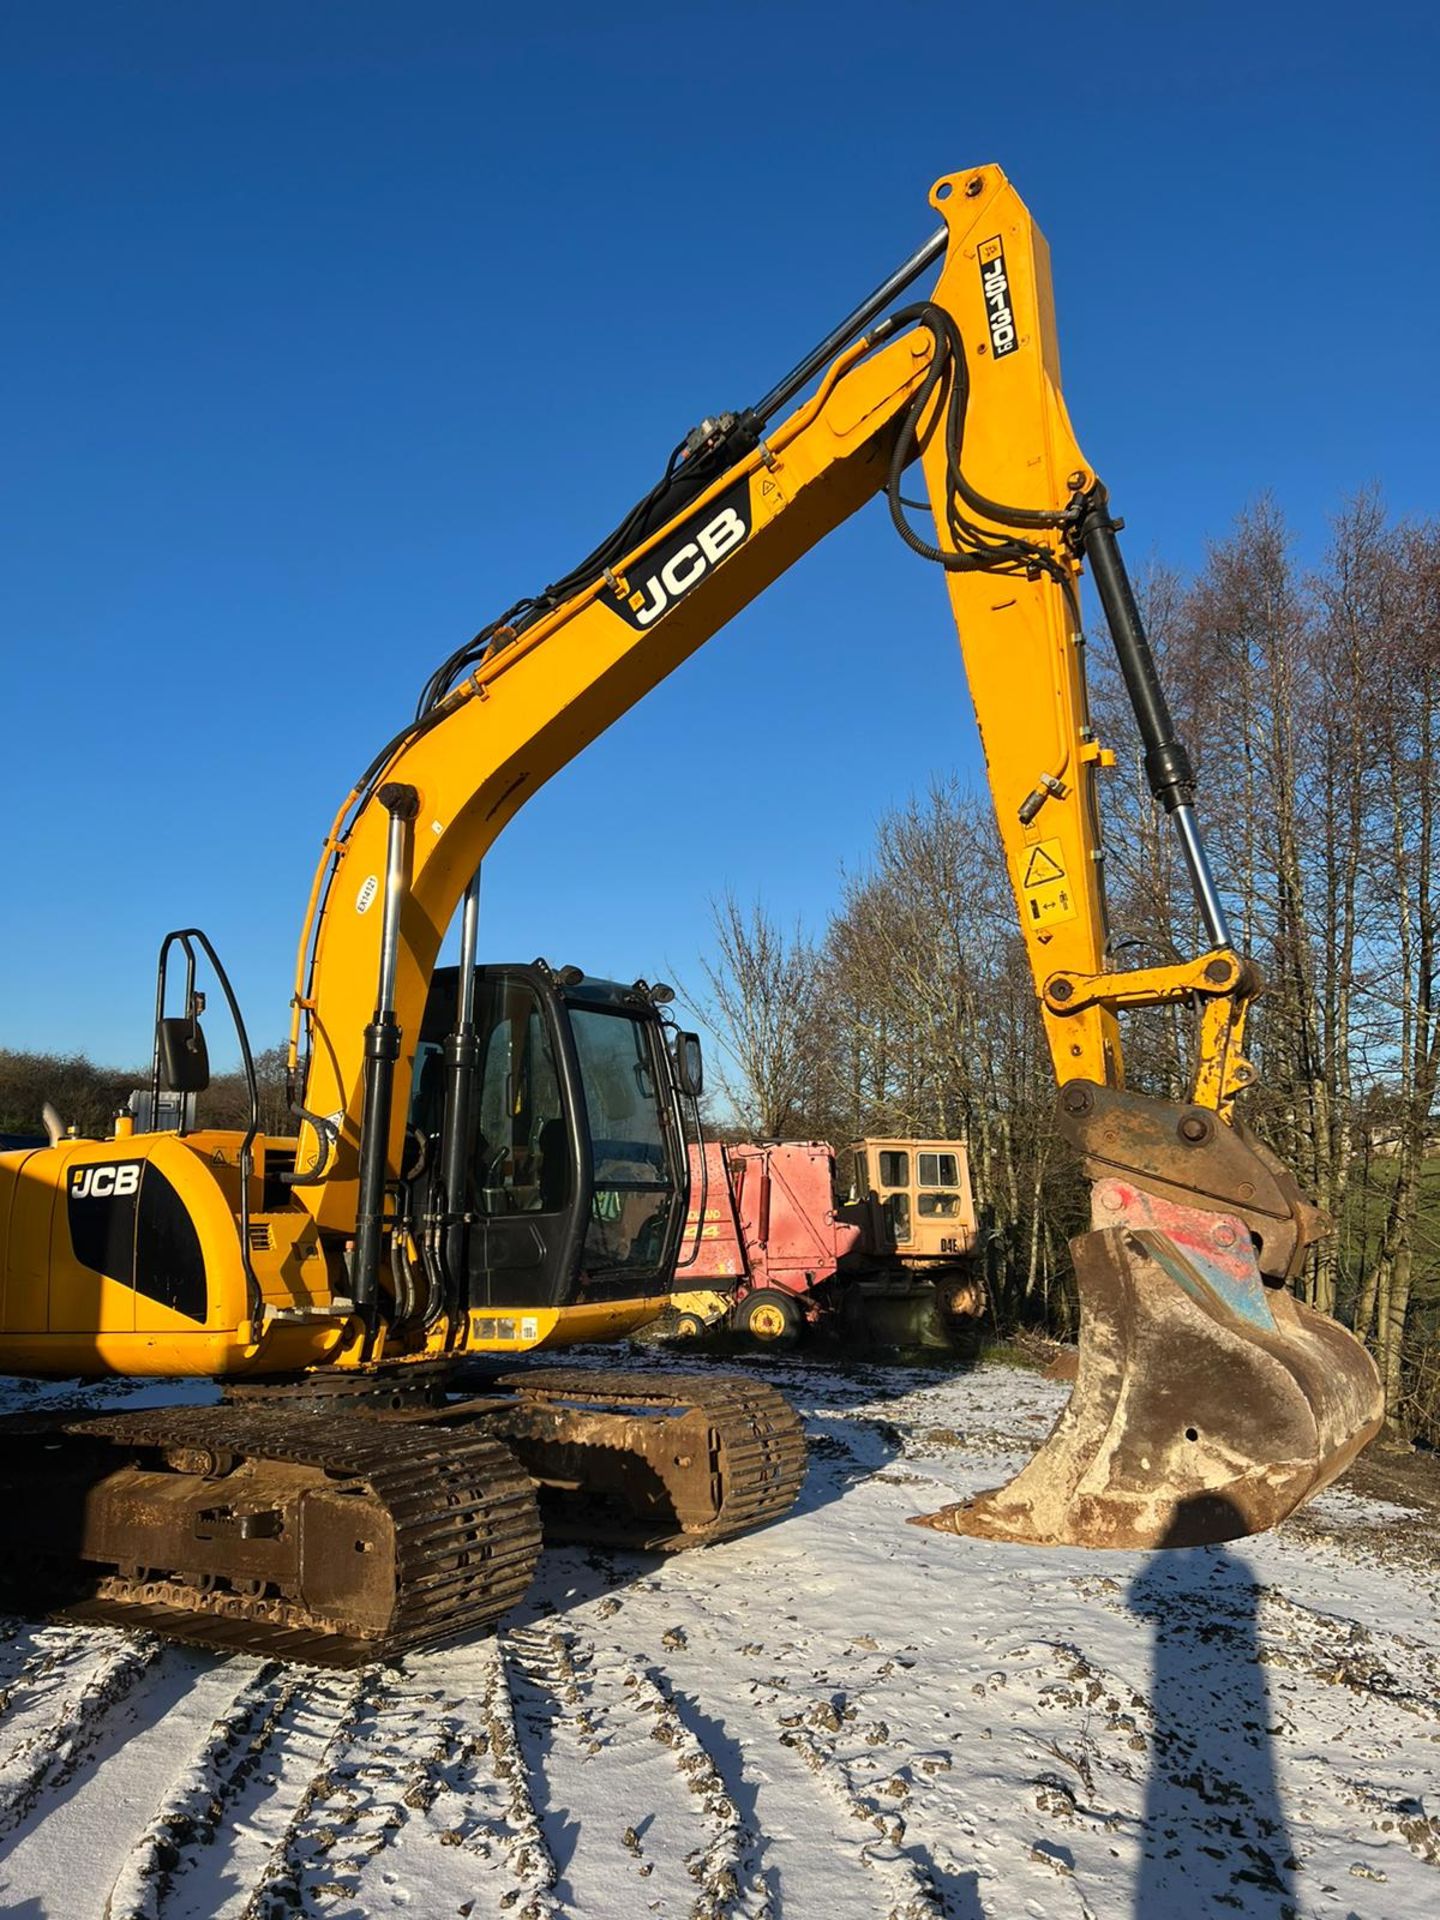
{"points": [[88, 1097], [1311, 702]]}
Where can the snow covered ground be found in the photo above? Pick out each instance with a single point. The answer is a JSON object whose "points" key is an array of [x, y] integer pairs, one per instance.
{"points": [[840, 1718]]}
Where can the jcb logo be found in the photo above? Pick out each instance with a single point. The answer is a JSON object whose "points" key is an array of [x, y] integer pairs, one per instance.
{"points": [[105, 1182], [678, 565], [995, 285]]}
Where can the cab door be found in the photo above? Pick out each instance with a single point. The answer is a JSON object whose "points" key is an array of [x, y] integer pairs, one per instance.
{"points": [[941, 1201], [894, 1189], [527, 1195]]}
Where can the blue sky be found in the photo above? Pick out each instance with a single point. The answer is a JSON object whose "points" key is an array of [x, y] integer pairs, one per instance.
{"points": [[331, 329]]}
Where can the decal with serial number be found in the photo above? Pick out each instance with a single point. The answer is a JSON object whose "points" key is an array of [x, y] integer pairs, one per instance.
{"points": [[995, 285]]}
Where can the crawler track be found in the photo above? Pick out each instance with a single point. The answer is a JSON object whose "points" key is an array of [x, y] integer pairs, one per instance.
{"points": [[754, 1462], [340, 1536], [1209, 1732], [456, 1504]]}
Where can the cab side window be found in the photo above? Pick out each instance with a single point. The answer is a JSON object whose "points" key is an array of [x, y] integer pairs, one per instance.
{"points": [[895, 1169]]}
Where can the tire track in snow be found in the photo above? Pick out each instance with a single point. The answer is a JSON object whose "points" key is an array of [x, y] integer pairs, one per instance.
{"points": [[28, 1655], [749, 1754], [613, 1743], [12, 1630], [803, 1714], [391, 1764], [430, 1796], [529, 1855], [911, 1886], [276, 1893], [556, 1714], [432, 1803]]}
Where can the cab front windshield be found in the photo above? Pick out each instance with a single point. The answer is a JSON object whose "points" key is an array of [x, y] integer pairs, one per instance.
{"points": [[635, 1182]]}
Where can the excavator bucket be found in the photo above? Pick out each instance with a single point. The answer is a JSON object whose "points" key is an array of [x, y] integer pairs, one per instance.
{"points": [[1207, 1404]]}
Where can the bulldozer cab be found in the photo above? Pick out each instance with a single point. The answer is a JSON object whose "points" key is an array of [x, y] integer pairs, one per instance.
{"points": [[921, 1192]]}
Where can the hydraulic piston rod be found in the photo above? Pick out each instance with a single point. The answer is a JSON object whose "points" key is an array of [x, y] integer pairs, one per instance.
{"points": [[382, 1050], [462, 1058], [854, 324], [1167, 764]]}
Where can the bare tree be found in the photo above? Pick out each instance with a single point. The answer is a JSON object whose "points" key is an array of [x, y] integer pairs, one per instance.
{"points": [[1312, 704], [87, 1097], [934, 1029], [226, 1102], [1404, 671], [1355, 595], [762, 1009]]}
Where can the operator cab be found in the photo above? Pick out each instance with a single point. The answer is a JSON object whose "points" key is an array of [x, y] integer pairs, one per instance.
{"points": [[568, 1160], [921, 1191]]}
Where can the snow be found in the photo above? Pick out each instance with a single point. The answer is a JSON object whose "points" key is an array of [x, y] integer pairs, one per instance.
{"points": [[839, 1718]]}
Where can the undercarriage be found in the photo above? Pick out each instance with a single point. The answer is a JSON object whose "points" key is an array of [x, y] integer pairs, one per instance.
{"points": [[341, 1526]]}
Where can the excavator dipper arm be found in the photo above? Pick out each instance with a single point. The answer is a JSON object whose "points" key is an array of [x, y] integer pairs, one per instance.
{"points": [[766, 490], [1209, 1401]]}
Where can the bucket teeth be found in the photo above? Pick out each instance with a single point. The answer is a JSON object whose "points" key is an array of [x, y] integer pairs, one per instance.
{"points": [[1207, 1405]]}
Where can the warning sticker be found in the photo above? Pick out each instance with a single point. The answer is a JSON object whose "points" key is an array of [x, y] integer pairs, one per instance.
{"points": [[1045, 886]]}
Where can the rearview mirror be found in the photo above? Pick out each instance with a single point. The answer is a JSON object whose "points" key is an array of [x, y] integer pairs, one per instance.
{"points": [[184, 1059], [689, 1064]]}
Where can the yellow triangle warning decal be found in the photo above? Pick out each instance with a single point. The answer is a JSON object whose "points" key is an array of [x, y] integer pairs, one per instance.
{"points": [[1042, 869], [766, 486], [1045, 890]]}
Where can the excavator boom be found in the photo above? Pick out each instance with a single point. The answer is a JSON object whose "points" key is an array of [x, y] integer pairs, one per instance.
{"points": [[511, 1176], [967, 383]]}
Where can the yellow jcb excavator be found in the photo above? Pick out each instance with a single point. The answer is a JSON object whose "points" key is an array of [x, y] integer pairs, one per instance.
{"points": [[489, 1160]]}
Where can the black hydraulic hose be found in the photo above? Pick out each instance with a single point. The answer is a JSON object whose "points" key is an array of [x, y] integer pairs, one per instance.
{"points": [[327, 1138], [690, 470], [949, 357], [405, 1294], [681, 481]]}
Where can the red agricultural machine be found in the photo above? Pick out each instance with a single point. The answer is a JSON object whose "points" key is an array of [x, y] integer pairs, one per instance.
{"points": [[771, 1250]]}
